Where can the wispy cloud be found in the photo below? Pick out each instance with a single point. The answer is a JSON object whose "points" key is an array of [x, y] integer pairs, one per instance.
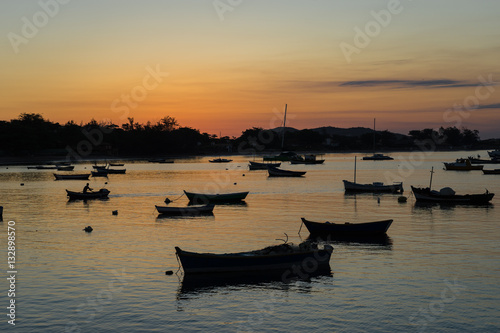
{"points": [[489, 106], [388, 84], [439, 83]]}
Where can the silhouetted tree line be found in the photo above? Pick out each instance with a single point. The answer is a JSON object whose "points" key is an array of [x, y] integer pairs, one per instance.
{"points": [[30, 133]]}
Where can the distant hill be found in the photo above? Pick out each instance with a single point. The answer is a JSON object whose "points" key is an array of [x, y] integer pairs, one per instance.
{"points": [[332, 131]]}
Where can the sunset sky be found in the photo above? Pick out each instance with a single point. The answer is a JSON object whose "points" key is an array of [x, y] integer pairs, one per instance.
{"points": [[227, 65]]}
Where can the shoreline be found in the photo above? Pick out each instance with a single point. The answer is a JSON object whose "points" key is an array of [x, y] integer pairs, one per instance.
{"points": [[53, 159]]}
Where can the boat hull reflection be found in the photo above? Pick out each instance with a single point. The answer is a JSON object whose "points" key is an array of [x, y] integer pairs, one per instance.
{"points": [[199, 283]]}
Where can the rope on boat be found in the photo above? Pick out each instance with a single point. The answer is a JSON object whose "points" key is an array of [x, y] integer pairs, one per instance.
{"points": [[167, 200], [301, 227], [177, 256], [286, 241]]}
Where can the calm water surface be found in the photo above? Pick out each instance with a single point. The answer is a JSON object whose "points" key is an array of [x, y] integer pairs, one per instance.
{"points": [[439, 270]]}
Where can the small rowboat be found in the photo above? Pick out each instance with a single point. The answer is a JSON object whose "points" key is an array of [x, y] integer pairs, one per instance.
{"points": [[261, 166], [189, 210], [378, 157], [492, 172], [376, 228], [108, 170], [375, 187], [82, 176], [307, 159], [43, 167], [462, 164], [160, 160], [101, 194], [279, 257], [206, 198], [448, 196], [276, 172], [220, 160], [65, 167], [99, 173]]}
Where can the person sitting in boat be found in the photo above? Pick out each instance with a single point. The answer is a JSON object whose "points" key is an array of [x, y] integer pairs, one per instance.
{"points": [[87, 188]]}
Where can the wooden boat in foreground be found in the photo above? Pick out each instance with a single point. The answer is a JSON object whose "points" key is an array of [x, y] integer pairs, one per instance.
{"points": [[447, 195], [80, 176], [278, 257], [101, 194], [220, 197], [375, 187], [189, 210], [492, 172], [276, 172], [376, 228]]}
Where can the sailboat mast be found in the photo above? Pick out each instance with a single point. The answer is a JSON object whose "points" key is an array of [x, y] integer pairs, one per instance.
{"points": [[374, 135], [284, 127], [355, 158], [430, 183]]}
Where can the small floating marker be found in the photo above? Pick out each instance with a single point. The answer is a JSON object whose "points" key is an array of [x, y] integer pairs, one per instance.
{"points": [[169, 272], [167, 200], [88, 229], [243, 175], [402, 198], [234, 183], [22, 184], [115, 212]]}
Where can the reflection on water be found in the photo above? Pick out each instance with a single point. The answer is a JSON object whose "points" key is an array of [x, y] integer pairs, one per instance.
{"points": [[196, 284], [449, 205], [197, 217], [378, 284], [234, 204], [381, 241]]}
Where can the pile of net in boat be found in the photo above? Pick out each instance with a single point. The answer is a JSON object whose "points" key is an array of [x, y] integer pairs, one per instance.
{"points": [[444, 191], [287, 248]]}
